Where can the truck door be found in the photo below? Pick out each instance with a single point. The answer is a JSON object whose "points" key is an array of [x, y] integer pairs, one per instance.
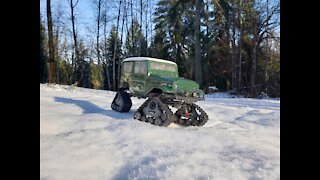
{"points": [[139, 77]]}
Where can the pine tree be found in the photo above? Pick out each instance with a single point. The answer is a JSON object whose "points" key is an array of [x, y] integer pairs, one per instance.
{"points": [[135, 40], [197, 57], [113, 40], [160, 45], [174, 19]]}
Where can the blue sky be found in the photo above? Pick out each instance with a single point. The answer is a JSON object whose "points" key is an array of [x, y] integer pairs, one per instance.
{"points": [[84, 6], [85, 15], [84, 10]]}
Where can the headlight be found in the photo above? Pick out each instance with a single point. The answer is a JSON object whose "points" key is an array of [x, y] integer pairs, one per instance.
{"points": [[195, 94], [166, 84]]}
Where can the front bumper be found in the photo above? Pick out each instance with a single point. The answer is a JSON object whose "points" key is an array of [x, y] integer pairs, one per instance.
{"points": [[197, 94], [180, 98]]}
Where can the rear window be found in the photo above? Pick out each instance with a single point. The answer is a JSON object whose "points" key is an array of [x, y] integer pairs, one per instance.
{"points": [[140, 67], [127, 67], [163, 67]]}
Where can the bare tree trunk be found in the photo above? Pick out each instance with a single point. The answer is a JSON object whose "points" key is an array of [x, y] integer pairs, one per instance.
{"points": [[151, 29], [207, 60], [72, 6], [140, 38], [146, 15], [73, 64], [115, 51], [105, 48], [120, 58], [98, 30], [126, 16], [51, 62], [254, 60], [228, 57], [240, 49], [105, 55], [234, 72], [207, 17], [91, 63], [267, 50], [57, 53], [98, 45], [133, 44], [198, 65], [57, 39]]}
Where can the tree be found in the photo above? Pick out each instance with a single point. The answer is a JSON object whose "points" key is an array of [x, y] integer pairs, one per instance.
{"points": [[231, 44], [174, 20], [43, 56], [146, 23], [135, 39], [121, 42], [240, 48], [274, 69], [97, 5], [107, 85], [58, 28], [114, 43], [84, 66], [51, 66], [115, 52], [132, 21], [95, 76], [140, 25], [160, 46], [198, 62], [78, 64]]}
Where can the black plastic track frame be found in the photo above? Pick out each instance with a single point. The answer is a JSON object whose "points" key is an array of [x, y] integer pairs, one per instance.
{"points": [[121, 102]]}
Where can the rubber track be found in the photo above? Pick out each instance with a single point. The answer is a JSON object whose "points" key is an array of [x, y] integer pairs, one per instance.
{"points": [[125, 102], [203, 118], [163, 107]]}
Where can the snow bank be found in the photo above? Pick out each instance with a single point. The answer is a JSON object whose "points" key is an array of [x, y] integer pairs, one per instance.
{"points": [[228, 95], [82, 138]]}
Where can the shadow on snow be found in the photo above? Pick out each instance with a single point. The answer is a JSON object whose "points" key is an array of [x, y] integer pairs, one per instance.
{"points": [[90, 108]]}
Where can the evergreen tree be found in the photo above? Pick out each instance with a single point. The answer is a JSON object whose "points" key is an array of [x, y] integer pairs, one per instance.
{"points": [[65, 72], [111, 41], [175, 21], [135, 38], [160, 45], [235, 41]]}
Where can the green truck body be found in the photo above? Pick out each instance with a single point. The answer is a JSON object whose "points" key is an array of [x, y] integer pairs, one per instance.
{"points": [[143, 76]]}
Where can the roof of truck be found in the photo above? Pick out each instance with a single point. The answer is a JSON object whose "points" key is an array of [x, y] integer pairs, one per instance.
{"points": [[149, 59]]}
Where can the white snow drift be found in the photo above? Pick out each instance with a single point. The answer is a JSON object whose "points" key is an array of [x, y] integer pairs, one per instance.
{"points": [[82, 138]]}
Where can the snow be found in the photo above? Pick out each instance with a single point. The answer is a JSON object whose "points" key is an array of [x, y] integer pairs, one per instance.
{"points": [[228, 95], [82, 138], [214, 88], [149, 59]]}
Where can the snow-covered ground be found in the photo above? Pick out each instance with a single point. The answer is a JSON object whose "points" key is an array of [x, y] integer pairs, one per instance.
{"points": [[82, 138]]}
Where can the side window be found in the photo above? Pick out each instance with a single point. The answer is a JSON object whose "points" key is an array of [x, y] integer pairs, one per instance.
{"points": [[140, 67], [127, 67], [143, 68]]}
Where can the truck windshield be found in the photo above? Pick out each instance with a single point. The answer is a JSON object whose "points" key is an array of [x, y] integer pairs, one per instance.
{"points": [[163, 69]]}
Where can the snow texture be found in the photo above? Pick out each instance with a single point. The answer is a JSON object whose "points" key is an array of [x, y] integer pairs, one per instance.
{"points": [[82, 138]]}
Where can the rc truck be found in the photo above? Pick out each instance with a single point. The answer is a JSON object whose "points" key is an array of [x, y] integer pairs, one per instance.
{"points": [[158, 81]]}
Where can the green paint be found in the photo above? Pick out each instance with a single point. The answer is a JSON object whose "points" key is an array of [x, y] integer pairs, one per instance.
{"points": [[143, 76]]}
